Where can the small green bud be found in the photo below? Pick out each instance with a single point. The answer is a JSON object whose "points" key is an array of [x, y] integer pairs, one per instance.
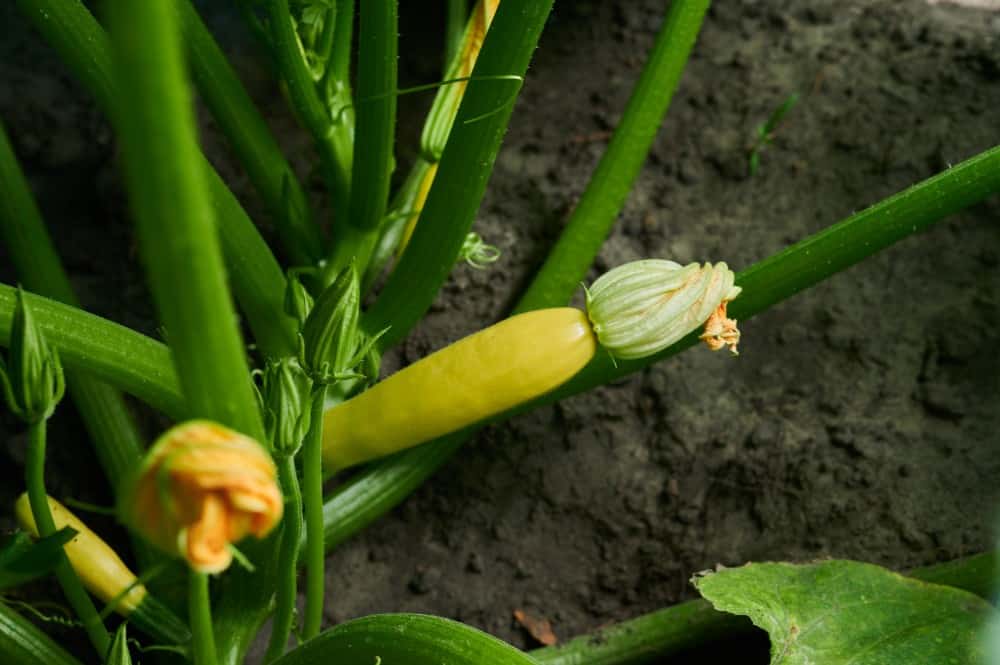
{"points": [[643, 307], [118, 653], [33, 377], [330, 334], [298, 302], [285, 394]]}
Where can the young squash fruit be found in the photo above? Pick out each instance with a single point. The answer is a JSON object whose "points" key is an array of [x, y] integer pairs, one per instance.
{"points": [[634, 310]]}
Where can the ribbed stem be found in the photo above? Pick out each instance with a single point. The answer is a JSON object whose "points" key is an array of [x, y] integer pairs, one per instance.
{"points": [[174, 218]]}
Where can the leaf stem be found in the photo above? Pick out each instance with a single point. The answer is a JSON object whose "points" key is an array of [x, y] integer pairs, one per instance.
{"points": [[602, 201], [265, 164], [34, 471], [175, 222]]}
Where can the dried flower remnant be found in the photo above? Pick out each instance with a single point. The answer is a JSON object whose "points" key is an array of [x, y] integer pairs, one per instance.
{"points": [[201, 488]]}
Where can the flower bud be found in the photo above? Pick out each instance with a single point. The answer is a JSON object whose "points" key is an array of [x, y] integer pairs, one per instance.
{"points": [[330, 334], [643, 307], [298, 303], [285, 396], [32, 378], [202, 487]]}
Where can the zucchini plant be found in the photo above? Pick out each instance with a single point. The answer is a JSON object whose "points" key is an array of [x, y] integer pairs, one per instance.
{"points": [[233, 493]]}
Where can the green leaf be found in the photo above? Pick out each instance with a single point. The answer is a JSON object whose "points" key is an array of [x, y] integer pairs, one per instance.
{"points": [[22, 560], [404, 639], [840, 612]]}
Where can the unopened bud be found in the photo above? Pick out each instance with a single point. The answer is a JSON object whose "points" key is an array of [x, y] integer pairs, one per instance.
{"points": [[643, 307], [298, 302], [32, 377], [285, 395], [330, 333]]}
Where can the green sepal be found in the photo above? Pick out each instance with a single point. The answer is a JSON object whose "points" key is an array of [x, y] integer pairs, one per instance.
{"points": [[32, 378], [118, 653], [23, 559], [298, 302], [330, 334]]}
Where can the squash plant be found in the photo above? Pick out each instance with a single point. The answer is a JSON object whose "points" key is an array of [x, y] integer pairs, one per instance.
{"points": [[258, 433]]}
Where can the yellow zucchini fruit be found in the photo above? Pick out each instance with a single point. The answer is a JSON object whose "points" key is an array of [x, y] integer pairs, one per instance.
{"points": [[471, 380], [99, 567]]}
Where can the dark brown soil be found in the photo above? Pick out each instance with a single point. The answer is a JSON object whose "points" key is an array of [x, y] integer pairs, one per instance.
{"points": [[860, 420]]}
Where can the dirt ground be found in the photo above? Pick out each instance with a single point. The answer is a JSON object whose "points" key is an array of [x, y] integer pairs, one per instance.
{"points": [[860, 420]]}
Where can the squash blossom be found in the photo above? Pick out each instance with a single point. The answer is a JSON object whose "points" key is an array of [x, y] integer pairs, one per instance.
{"points": [[634, 311], [202, 487]]}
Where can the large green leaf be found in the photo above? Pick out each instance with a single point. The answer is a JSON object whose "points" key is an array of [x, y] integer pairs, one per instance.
{"points": [[846, 612], [404, 639], [22, 560]]}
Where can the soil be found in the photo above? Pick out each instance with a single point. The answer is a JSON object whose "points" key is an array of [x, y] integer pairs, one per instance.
{"points": [[860, 420]]}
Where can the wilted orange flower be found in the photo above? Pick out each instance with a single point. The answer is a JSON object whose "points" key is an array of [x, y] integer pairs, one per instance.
{"points": [[203, 486]]}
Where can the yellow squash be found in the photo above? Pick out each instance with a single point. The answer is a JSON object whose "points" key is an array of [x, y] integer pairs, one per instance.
{"points": [[101, 570], [471, 380]]}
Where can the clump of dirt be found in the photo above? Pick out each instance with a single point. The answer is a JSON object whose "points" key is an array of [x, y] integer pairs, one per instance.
{"points": [[858, 421]]}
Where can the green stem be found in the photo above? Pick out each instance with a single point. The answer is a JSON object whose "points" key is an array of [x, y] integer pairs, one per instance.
{"points": [[354, 237], [22, 643], [200, 617], [464, 170], [251, 140], [652, 637], [597, 211], [378, 488], [332, 139], [110, 352], [340, 58], [256, 277], [117, 441], [456, 15], [312, 490], [34, 471], [174, 219], [291, 533]]}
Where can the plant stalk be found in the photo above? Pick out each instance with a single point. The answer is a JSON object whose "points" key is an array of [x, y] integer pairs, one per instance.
{"points": [[312, 489], [291, 533], [200, 615], [76, 595]]}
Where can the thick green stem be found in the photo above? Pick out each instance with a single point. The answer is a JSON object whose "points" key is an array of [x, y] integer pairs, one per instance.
{"points": [[597, 211], [116, 440], [333, 136], [251, 140], [291, 533], [354, 237], [110, 352], [652, 637], [76, 595], [174, 218], [257, 279], [381, 486], [200, 616], [312, 490]]}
